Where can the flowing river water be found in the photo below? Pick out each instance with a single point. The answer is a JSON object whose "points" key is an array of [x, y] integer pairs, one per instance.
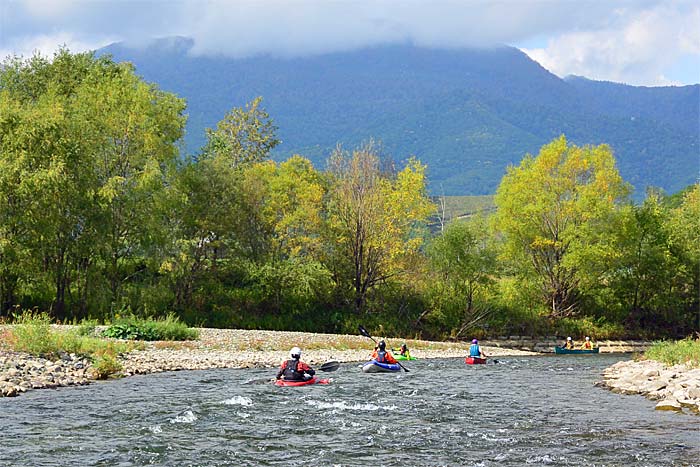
{"points": [[519, 411]]}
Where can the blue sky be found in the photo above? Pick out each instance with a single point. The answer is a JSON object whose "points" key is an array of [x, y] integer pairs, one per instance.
{"points": [[641, 42]]}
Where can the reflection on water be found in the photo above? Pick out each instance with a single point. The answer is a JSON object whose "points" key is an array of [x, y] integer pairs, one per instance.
{"points": [[522, 411]]}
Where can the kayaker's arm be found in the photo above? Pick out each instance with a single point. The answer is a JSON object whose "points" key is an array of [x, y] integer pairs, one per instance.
{"points": [[303, 367]]}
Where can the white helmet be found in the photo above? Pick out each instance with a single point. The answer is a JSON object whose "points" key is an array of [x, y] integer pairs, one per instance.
{"points": [[588, 338], [568, 338], [295, 353]]}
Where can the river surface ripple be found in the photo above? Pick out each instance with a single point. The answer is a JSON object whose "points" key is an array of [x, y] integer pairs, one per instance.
{"points": [[520, 411]]}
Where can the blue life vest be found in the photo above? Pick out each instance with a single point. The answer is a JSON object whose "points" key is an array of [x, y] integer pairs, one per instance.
{"points": [[474, 350], [381, 356]]}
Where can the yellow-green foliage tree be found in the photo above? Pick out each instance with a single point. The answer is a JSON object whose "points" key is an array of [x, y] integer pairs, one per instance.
{"points": [[85, 147], [550, 209], [282, 205], [372, 220], [285, 200]]}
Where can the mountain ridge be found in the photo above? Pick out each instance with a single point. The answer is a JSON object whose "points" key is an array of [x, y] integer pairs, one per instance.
{"points": [[466, 113]]}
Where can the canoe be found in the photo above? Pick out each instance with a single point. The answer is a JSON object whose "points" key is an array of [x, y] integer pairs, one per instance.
{"points": [[562, 350], [475, 361], [402, 358], [308, 382], [374, 366]]}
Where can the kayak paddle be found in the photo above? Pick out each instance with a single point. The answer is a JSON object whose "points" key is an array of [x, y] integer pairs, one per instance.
{"points": [[329, 366], [364, 332]]}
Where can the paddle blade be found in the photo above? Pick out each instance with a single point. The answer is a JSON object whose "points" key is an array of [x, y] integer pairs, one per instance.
{"points": [[364, 332], [329, 366]]}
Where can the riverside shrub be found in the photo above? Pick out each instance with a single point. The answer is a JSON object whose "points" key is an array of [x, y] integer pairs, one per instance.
{"points": [[32, 333], [672, 353], [169, 328]]}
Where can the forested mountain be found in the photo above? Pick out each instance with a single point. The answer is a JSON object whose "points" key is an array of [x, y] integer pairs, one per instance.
{"points": [[466, 113]]}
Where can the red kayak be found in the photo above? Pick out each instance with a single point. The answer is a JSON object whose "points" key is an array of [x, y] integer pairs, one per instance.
{"points": [[475, 361], [314, 380]]}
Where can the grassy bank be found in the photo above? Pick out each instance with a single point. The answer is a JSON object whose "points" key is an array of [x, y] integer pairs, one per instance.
{"points": [[685, 351], [32, 333]]}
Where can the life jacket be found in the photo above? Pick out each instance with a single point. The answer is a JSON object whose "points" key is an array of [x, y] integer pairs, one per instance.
{"points": [[291, 373], [381, 356], [587, 345], [474, 350]]}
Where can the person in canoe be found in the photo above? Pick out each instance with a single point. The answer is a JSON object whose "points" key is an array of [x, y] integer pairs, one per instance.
{"points": [[404, 352], [569, 344], [294, 369], [381, 355], [587, 344], [475, 349]]}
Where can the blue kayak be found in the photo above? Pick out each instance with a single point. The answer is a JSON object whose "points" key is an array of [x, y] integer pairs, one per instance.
{"points": [[374, 366]]}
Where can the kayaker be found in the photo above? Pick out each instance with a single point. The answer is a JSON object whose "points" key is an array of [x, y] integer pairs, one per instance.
{"points": [[381, 355], [475, 349], [569, 343], [404, 352], [294, 369], [587, 344]]}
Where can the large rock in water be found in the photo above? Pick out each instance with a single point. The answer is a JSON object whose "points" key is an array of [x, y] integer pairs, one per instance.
{"points": [[669, 404]]}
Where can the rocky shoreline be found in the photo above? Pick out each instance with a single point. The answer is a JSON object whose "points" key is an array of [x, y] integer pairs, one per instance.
{"points": [[20, 372], [676, 388]]}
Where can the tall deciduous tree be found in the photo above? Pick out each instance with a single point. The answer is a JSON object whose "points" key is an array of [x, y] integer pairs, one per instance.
{"points": [[465, 259], [211, 222], [372, 219], [85, 144], [549, 209], [647, 274]]}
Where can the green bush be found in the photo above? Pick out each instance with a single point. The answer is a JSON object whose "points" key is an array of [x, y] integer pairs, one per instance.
{"points": [[586, 326], [169, 328], [87, 327], [672, 353], [32, 333], [106, 365]]}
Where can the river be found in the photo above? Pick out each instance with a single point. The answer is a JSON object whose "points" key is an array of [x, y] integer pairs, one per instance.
{"points": [[519, 411]]}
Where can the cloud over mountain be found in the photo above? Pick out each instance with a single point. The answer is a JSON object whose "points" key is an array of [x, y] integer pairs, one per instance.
{"points": [[628, 40]]}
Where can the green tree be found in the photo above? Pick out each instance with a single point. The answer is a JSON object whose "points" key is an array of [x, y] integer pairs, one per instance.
{"points": [[213, 226], [646, 275], [465, 259], [372, 220], [244, 136], [549, 209], [84, 147], [285, 200]]}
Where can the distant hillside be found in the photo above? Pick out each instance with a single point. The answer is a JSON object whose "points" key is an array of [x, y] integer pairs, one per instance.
{"points": [[466, 113]]}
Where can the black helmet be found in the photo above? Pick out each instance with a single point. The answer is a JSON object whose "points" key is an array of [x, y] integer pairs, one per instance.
{"points": [[403, 346], [382, 345]]}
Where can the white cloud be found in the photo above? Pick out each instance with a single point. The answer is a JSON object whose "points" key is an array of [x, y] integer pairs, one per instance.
{"points": [[635, 41], [636, 48], [46, 45], [282, 27]]}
